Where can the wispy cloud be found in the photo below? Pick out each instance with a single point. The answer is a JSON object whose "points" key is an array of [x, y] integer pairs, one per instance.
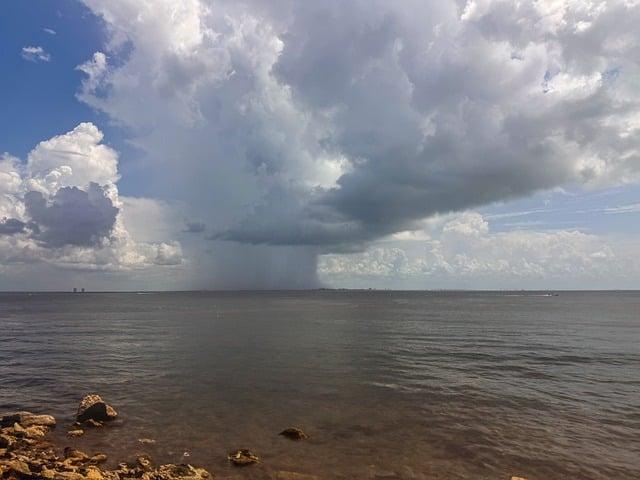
{"points": [[35, 54], [632, 208], [50, 31], [496, 216]]}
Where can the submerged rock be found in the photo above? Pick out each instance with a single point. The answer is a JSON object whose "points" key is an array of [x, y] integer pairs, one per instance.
{"points": [[144, 461], [243, 457], [283, 475], [92, 423], [73, 454], [518, 478], [98, 458], [178, 472], [92, 407], [293, 433], [75, 433], [147, 441]]}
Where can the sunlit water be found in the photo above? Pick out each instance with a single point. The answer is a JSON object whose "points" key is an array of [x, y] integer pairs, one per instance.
{"points": [[388, 385]]}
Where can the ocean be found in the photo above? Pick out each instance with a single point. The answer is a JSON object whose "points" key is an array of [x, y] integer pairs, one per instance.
{"points": [[388, 385]]}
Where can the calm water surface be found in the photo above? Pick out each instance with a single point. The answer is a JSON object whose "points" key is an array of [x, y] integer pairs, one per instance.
{"points": [[388, 384]]}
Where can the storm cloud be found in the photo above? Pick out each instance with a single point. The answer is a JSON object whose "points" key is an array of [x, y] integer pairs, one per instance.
{"points": [[72, 216], [334, 123], [321, 127], [11, 226]]}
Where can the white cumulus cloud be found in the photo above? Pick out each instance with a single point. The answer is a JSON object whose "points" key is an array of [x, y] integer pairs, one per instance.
{"points": [[61, 207], [463, 252]]}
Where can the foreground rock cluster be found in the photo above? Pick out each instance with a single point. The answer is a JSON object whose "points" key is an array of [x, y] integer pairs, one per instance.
{"points": [[26, 454]]}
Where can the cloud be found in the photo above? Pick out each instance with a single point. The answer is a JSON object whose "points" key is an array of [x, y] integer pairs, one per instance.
{"points": [[195, 227], [50, 31], [11, 226], [463, 252], [72, 216], [434, 107], [75, 158], [35, 54], [61, 207], [322, 127]]}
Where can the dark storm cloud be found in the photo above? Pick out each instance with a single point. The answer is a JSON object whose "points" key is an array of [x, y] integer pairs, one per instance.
{"points": [[195, 227], [72, 216], [440, 108], [332, 123], [12, 226]]}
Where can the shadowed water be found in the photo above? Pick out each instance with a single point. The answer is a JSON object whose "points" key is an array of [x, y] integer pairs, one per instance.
{"points": [[388, 384]]}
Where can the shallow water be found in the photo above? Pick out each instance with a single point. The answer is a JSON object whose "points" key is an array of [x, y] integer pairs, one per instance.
{"points": [[389, 385]]}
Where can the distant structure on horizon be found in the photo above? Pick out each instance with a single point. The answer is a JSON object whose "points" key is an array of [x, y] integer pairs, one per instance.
{"points": [[75, 290]]}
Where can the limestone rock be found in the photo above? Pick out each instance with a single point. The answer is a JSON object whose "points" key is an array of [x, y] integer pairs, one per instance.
{"points": [[18, 466], [144, 461], [47, 474], [242, 457], [93, 407], [73, 454], [36, 431], [75, 433], [68, 476], [93, 473], [98, 458], [293, 433], [179, 472], [19, 430], [27, 419]]}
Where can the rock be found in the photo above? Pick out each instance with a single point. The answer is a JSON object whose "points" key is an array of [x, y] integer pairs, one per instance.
{"points": [[144, 461], [27, 419], [94, 408], [283, 475], [75, 433], [98, 458], [92, 423], [19, 430], [293, 433], [18, 466], [68, 476], [129, 470], [146, 441], [47, 474], [243, 457], [518, 478], [6, 441], [73, 454], [179, 472], [36, 431], [93, 473]]}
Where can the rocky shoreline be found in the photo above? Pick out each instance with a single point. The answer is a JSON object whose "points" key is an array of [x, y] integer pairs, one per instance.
{"points": [[27, 453]]}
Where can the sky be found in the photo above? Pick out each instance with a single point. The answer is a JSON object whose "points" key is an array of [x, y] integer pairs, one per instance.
{"points": [[263, 144]]}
